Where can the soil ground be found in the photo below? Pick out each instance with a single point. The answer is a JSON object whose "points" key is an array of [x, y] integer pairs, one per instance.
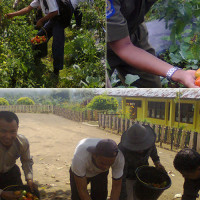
{"points": [[52, 143]]}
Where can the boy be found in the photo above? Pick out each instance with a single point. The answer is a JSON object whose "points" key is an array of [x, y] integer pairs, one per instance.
{"points": [[91, 162], [187, 162], [13, 146], [129, 51], [53, 27]]}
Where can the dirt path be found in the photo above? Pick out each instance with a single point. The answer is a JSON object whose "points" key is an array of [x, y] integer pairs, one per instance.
{"points": [[53, 140]]}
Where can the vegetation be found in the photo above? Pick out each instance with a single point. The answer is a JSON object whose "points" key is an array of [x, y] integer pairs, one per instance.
{"points": [[3, 101], [84, 51], [103, 102], [25, 101]]}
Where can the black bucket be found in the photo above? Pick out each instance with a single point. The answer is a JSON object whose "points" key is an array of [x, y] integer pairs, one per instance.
{"points": [[41, 50], [22, 187], [150, 183]]}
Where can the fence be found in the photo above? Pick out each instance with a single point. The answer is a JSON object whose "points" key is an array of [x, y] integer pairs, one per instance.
{"points": [[28, 108], [87, 115], [167, 137]]}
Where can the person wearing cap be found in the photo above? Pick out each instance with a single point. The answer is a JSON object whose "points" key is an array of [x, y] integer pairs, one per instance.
{"points": [[187, 162], [137, 145], [12, 147], [128, 48], [92, 160]]}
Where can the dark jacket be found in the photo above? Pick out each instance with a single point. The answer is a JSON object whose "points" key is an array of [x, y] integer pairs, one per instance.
{"points": [[134, 160]]}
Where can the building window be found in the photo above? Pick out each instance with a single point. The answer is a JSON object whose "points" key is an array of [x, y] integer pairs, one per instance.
{"points": [[156, 110], [135, 103], [186, 113]]}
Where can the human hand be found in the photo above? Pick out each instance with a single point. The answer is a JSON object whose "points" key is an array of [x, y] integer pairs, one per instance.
{"points": [[160, 167], [187, 78], [30, 183], [10, 195], [9, 15], [39, 23]]}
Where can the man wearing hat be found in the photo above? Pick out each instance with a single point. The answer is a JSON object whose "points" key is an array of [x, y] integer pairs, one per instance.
{"points": [[137, 144], [92, 160]]}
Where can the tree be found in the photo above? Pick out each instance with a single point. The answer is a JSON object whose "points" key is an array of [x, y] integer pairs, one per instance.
{"points": [[25, 101], [103, 102], [4, 102]]}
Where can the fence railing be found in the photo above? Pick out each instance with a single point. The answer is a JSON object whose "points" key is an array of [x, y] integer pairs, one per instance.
{"points": [[28, 108], [87, 115], [169, 137]]}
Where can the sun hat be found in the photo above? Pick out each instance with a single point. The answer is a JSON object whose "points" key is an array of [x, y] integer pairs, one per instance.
{"points": [[105, 147], [138, 137]]}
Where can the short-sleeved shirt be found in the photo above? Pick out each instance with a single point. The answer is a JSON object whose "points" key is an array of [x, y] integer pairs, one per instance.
{"points": [[52, 6], [83, 166], [124, 16]]}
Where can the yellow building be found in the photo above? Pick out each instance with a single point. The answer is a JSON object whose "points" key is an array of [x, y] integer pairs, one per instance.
{"points": [[161, 106]]}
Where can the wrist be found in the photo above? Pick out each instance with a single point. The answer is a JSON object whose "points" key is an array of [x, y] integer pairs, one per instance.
{"points": [[170, 73], [178, 76]]}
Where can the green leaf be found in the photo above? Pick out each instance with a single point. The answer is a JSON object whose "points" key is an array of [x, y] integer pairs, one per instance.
{"points": [[129, 79]]}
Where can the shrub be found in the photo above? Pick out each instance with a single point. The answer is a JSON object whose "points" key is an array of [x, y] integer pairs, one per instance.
{"points": [[25, 101], [103, 102], [4, 102]]}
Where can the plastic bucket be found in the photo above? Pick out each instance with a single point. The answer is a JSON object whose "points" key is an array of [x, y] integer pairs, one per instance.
{"points": [[22, 187], [41, 50], [150, 183]]}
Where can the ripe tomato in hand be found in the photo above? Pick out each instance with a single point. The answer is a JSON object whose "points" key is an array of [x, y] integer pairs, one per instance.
{"points": [[197, 73], [197, 81]]}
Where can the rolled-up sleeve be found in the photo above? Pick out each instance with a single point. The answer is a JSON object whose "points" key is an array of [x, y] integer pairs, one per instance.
{"points": [[116, 23], [27, 161]]}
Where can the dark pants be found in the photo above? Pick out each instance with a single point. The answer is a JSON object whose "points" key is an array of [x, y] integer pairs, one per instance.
{"points": [[99, 186], [55, 28], [12, 177], [78, 16]]}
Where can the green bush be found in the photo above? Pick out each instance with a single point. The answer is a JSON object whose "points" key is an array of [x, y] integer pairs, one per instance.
{"points": [[4, 102], [25, 101], [103, 102]]}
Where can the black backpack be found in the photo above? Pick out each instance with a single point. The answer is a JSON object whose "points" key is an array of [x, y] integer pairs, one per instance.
{"points": [[65, 10]]}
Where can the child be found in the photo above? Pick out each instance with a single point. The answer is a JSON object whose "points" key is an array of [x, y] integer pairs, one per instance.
{"points": [[187, 162]]}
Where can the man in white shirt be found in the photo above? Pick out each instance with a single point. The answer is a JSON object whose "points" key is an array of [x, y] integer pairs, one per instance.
{"points": [[92, 160], [13, 146], [54, 26]]}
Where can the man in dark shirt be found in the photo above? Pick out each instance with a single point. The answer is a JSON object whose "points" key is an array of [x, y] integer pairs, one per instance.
{"points": [[187, 162], [137, 144]]}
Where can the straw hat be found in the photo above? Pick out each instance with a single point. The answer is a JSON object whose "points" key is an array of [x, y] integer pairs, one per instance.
{"points": [[138, 138]]}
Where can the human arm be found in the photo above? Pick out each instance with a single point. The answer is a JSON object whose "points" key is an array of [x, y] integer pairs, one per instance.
{"points": [[20, 12], [144, 61], [116, 189], [190, 189], [156, 160], [81, 184], [27, 163], [46, 18]]}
